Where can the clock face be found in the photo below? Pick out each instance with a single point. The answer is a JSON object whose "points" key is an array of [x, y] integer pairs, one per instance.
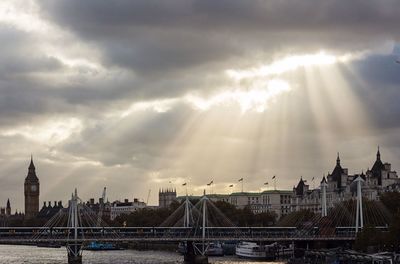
{"points": [[33, 188]]}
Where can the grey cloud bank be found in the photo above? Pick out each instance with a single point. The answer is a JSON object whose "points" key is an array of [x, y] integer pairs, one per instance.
{"points": [[106, 56]]}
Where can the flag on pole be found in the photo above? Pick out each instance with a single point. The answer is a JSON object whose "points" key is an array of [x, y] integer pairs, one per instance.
{"points": [[231, 185], [184, 184], [312, 179], [211, 182], [241, 179], [265, 183], [274, 177]]}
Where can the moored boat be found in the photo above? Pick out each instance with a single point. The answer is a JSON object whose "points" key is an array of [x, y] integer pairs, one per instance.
{"points": [[101, 246], [252, 250], [215, 249]]}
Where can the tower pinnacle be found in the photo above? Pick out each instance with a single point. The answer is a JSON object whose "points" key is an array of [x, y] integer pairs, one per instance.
{"points": [[8, 208], [378, 154], [31, 165]]}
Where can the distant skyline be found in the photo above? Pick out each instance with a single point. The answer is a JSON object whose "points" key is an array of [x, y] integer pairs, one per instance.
{"points": [[133, 95]]}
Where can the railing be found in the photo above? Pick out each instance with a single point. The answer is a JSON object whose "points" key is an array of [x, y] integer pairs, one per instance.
{"points": [[175, 233]]}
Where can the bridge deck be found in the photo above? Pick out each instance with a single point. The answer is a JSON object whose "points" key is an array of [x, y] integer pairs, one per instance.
{"points": [[210, 239], [173, 234]]}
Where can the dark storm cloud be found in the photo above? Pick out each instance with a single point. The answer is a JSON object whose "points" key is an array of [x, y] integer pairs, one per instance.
{"points": [[153, 50], [155, 36], [23, 97], [35, 85], [379, 90], [18, 55], [379, 68], [95, 17]]}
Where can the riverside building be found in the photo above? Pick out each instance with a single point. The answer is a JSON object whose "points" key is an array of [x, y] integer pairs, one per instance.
{"points": [[340, 187]]}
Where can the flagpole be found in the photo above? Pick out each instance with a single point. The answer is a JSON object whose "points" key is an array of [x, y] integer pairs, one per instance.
{"points": [[230, 186], [241, 180], [185, 184]]}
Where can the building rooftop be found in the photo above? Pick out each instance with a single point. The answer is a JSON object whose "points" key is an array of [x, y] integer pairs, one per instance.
{"points": [[278, 191]]}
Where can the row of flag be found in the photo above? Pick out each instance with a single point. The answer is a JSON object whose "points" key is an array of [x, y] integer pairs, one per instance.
{"points": [[240, 180]]}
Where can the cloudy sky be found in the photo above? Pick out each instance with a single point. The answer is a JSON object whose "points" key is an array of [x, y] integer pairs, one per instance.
{"points": [[140, 95]]}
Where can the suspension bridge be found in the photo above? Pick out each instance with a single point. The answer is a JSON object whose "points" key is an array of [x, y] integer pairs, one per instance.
{"points": [[199, 224]]}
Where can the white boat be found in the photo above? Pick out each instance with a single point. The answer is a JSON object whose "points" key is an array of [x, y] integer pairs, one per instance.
{"points": [[252, 250]]}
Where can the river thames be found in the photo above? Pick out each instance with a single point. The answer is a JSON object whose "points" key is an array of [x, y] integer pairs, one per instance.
{"points": [[35, 255]]}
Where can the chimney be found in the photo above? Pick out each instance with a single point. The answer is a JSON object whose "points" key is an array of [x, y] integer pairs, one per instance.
{"points": [[91, 200], [126, 200]]}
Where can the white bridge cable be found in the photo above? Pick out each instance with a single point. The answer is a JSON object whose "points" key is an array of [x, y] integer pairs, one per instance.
{"points": [[53, 221], [177, 218], [61, 224], [342, 215]]}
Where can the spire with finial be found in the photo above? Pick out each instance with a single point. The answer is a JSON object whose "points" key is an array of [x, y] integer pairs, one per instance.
{"points": [[31, 165], [378, 154], [338, 159], [8, 208], [32, 172]]}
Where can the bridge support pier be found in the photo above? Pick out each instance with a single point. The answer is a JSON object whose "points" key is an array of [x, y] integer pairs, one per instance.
{"points": [[74, 259], [74, 253], [190, 256]]}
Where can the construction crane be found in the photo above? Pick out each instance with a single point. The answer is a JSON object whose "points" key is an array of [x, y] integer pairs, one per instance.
{"points": [[148, 197], [101, 207]]}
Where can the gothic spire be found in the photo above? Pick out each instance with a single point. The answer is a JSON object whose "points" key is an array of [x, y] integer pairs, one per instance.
{"points": [[338, 160], [8, 203], [378, 154], [32, 171], [31, 165]]}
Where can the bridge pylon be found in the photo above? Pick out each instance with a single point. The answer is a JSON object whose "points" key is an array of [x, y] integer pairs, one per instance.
{"points": [[324, 185], [359, 212], [195, 254], [74, 248]]}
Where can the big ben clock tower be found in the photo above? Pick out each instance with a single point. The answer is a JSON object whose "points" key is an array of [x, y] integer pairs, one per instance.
{"points": [[31, 191]]}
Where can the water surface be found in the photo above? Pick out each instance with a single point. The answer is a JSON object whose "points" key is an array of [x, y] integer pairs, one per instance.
{"points": [[35, 255]]}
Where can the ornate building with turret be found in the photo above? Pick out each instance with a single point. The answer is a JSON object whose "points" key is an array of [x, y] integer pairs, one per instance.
{"points": [[31, 192], [341, 186], [381, 175]]}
